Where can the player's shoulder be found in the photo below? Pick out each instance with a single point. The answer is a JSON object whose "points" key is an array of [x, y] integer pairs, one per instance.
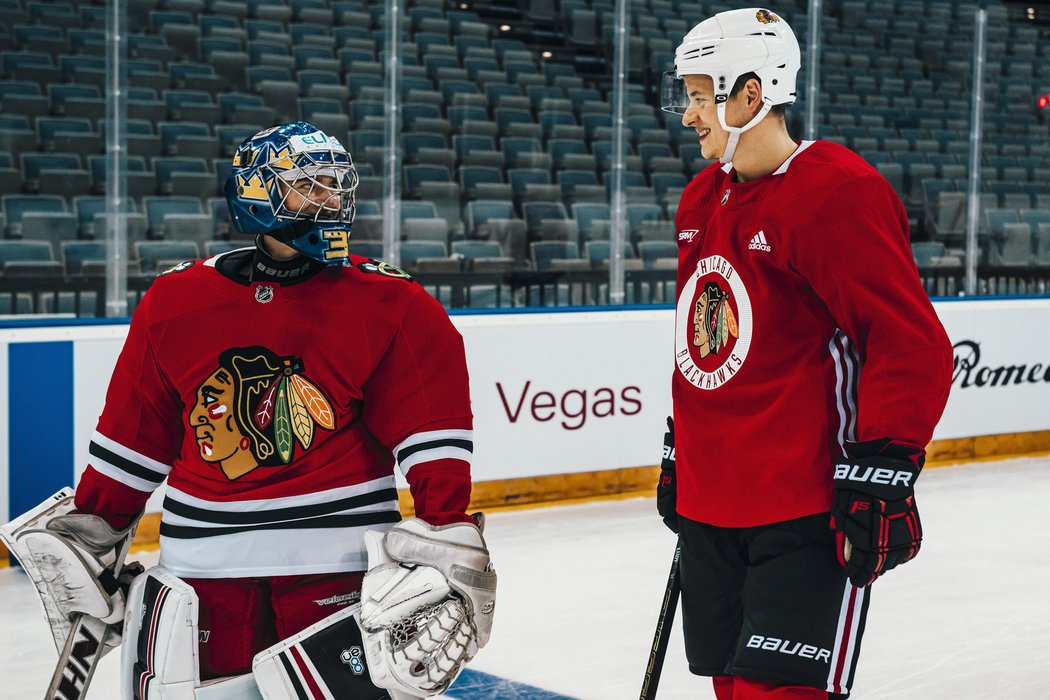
{"points": [[372, 272], [374, 280], [181, 275], [832, 164]]}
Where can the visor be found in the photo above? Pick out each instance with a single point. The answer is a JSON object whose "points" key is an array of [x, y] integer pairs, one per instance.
{"points": [[674, 97]]}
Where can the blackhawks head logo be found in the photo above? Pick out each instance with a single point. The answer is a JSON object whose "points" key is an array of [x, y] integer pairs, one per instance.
{"points": [[713, 320], [254, 408]]}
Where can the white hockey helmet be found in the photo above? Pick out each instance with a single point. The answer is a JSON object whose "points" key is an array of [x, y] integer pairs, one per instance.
{"points": [[727, 46]]}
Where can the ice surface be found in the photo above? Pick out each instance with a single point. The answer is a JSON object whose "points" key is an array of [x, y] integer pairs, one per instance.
{"points": [[580, 589]]}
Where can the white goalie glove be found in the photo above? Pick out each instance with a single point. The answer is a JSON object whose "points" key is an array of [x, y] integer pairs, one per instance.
{"points": [[427, 604], [100, 549], [75, 560]]}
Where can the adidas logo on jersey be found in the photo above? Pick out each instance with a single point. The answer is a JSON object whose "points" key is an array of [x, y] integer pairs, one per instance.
{"points": [[759, 242]]}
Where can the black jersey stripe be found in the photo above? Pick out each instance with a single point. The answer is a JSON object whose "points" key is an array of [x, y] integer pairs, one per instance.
{"points": [[258, 517], [125, 464], [186, 532], [407, 452], [300, 692]]}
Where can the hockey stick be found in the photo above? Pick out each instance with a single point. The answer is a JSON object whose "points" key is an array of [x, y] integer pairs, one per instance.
{"points": [[79, 659], [663, 627]]}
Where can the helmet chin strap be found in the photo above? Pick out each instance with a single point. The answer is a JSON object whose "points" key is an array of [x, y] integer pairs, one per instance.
{"points": [[735, 131]]}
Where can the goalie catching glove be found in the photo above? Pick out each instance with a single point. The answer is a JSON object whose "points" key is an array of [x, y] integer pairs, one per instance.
{"points": [[427, 604], [874, 514]]}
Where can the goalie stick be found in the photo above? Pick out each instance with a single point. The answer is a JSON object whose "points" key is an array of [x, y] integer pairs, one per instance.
{"points": [[79, 659], [663, 628], [87, 636]]}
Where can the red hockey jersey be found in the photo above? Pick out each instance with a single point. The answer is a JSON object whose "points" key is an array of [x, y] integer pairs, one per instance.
{"points": [[276, 413], [801, 323]]}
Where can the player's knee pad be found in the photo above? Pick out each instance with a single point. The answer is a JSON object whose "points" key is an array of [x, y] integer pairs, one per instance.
{"points": [[159, 658]]}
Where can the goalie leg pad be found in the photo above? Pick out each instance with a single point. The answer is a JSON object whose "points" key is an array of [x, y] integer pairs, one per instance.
{"points": [[159, 655], [159, 659], [326, 659]]}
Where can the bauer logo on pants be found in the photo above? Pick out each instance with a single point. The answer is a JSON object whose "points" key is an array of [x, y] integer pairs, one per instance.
{"points": [[252, 410], [712, 324]]}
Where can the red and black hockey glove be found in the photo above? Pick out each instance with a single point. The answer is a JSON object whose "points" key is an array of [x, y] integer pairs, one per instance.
{"points": [[667, 487], [875, 517]]}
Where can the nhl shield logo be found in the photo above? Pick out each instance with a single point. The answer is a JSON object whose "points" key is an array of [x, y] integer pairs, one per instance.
{"points": [[263, 293]]}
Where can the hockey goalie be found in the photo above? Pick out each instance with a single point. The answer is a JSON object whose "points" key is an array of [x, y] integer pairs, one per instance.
{"points": [[274, 388]]}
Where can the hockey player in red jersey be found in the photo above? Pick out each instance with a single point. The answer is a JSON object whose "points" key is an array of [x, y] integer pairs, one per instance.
{"points": [[810, 371], [275, 388]]}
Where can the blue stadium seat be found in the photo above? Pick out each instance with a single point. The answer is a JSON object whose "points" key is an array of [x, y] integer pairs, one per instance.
{"points": [[184, 177], [159, 207], [155, 256], [480, 211], [414, 209], [76, 253], [25, 251], [413, 251], [416, 175], [651, 251], [55, 173], [535, 213], [189, 139], [543, 252]]}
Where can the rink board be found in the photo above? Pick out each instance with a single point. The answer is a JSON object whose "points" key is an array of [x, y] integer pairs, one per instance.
{"points": [[561, 395]]}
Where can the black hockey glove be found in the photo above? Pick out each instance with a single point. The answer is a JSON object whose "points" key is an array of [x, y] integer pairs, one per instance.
{"points": [[875, 518], [667, 487]]}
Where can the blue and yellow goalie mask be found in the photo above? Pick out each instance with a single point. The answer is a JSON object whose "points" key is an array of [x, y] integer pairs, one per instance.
{"points": [[295, 183]]}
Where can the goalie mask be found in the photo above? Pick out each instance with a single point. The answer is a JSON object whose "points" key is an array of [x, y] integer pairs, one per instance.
{"points": [[295, 183], [727, 46]]}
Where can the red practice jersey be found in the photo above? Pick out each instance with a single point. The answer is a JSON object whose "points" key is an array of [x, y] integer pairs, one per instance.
{"points": [[277, 413], [801, 323]]}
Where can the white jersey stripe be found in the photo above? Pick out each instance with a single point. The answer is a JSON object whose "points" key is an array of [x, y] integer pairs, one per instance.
{"points": [[126, 466], [852, 379], [846, 371], [129, 454], [432, 445], [435, 454], [267, 504], [279, 552], [431, 435], [119, 475]]}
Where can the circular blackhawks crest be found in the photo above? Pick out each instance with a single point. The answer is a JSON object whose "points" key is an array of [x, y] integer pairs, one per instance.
{"points": [[712, 324]]}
